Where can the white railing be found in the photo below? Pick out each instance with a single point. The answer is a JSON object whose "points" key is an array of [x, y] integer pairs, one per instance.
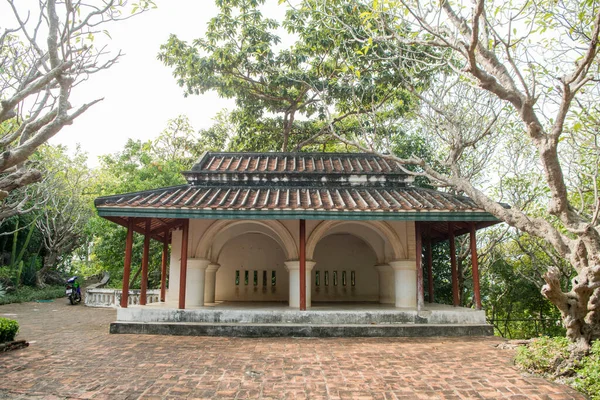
{"points": [[112, 297]]}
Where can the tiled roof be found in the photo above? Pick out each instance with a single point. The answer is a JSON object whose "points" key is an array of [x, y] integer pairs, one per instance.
{"points": [[293, 185], [325, 163], [296, 169], [292, 198]]}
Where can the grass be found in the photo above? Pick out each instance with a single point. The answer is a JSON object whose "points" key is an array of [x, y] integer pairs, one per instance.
{"points": [[546, 356], [27, 293]]}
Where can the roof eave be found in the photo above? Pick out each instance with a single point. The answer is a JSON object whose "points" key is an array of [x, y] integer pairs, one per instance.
{"points": [[211, 213]]}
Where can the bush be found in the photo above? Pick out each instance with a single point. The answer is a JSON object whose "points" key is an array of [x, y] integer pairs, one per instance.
{"points": [[26, 293], [588, 374], [550, 357], [543, 355], [8, 330]]}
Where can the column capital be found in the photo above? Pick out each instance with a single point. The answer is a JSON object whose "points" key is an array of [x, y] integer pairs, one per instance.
{"points": [[212, 267], [404, 265], [197, 263], [295, 265]]}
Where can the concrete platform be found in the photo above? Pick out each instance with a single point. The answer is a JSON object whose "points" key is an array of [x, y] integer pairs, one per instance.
{"points": [[322, 320], [299, 330]]}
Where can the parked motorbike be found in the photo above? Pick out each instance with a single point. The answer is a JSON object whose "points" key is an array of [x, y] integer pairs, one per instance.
{"points": [[73, 290]]}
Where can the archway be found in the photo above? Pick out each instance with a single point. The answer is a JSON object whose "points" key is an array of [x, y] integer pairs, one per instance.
{"points": [[251, 269], [382, 239], [344, 270], [220, 232]]}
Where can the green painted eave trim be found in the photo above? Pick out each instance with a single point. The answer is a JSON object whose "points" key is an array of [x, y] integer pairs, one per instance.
{"points": [[456, 216]]}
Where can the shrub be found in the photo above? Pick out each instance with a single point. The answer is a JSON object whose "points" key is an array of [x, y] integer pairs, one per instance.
{"points": [[550, 357], [8, 330], [26, 293], [588, 375], [543, 355]]}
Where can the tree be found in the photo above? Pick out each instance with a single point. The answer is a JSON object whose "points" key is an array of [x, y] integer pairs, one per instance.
{"points": [[144, 166], [540, 61], [63, 218], [44, 55], [289, 92]]}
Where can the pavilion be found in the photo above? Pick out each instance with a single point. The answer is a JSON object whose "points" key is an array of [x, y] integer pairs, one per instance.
{"points": [[336, 232]]}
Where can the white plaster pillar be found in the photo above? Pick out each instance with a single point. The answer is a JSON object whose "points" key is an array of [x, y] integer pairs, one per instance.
{"points": [[194, 291], [405, 281], [309, 267], [174, 263], [210, 282], [293, 268], [386, 284]]}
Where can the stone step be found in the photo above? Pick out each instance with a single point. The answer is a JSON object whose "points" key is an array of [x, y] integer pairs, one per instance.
{"points": [[448, 315], [299, 330]]}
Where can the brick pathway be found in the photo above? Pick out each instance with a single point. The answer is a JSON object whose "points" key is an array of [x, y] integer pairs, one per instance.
{"points": [[72, 356]]}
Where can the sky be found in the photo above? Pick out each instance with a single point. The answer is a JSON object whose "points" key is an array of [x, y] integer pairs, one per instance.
{"points": [[140, 93]]}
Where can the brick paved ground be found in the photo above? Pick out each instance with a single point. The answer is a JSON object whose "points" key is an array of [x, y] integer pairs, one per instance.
{"points": [[73, 356]]}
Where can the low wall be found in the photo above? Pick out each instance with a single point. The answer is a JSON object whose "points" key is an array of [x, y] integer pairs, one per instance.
{"points": [[112, 297]]}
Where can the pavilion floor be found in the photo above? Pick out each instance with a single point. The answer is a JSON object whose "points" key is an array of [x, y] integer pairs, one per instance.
{"points": [[316, 306], [258, 319]]}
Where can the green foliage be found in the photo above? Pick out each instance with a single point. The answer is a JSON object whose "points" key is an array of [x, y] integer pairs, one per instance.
{"points": [[543, 355], [29, 271], [442, 279], [27, 293], [8, 329], [142, 166], [64, 216], [588, 373], [510, 283], [18, 247], [547, 356], [16, 258], [293, 96]]}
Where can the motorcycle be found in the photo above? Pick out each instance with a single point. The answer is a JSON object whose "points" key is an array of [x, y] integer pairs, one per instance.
{"points": [[73, 290]]}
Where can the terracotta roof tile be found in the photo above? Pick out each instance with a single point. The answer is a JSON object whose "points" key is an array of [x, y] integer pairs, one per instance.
{"points": [[294, 198], [293, 181], [296, 162]]}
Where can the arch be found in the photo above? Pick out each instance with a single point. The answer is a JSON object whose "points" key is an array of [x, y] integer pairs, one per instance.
{"points": [[272, 228], [383, 230], [236, 231], [346, 254]]}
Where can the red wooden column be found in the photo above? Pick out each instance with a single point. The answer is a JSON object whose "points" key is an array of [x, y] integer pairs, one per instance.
{"points": [[302, 264], [419, 254], [127, 268], [475, 265], [145, 256], [163, 270], [429, 253], [183, 265], [453, 265]]}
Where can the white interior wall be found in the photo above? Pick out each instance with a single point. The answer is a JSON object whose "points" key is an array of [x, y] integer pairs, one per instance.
{"points": [[345, 252], [369, 236], [251, 252], [258, 249]]}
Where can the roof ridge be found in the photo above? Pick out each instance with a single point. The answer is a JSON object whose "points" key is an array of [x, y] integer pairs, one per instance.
{"points": [[269, 153]]}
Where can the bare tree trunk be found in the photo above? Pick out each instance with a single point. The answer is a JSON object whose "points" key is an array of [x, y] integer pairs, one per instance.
{"points": [[288, 123], [137, 274], [49, 263], [580, 307]]}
